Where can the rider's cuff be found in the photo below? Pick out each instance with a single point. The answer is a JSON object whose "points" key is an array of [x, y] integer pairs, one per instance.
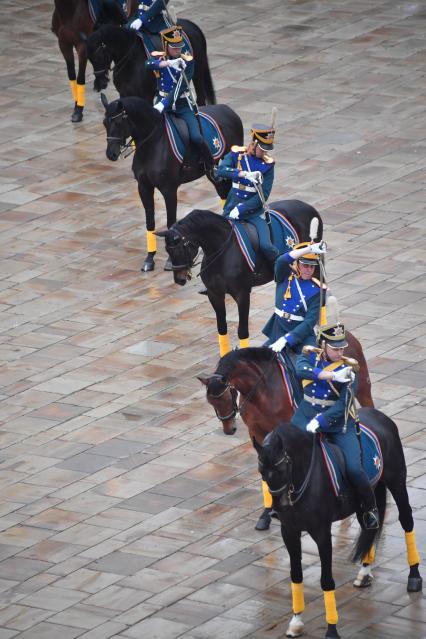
{"points": [[316, 372], [290, 339], [322, 421]]}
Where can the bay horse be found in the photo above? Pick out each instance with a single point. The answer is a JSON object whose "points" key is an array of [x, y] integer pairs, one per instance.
{"points": [[154, 165], [71, 23], [124, 48], [223, 268], [291, 464]]}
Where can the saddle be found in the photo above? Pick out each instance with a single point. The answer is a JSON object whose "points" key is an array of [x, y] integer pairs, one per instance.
{"points": [[177, 133]]}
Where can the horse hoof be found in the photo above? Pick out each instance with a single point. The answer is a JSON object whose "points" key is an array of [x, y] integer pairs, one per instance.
{"points": [[148, 265], [168, 265], [295, 627], [364, 582], [77, 114], [263, 523], [332, 632], [414, 584]]}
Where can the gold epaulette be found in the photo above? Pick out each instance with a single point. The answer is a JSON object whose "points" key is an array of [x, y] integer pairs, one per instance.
{"points": [[267, 159], [187, 57], [157, 54], [352, 362], [318, 283], [238, 149], [308, 349]]}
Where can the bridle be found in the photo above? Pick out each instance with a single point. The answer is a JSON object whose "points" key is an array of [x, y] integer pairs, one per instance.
{"points": [[293, 495], [131, 145], [102, 46], [118, 66], [190, 261]]}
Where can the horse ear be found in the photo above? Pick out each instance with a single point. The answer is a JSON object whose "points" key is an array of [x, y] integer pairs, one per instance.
{"points": [[161, 233], [258, 448], [104, 101], [204, 380]]}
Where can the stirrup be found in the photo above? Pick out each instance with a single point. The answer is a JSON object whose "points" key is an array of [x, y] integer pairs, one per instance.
{"points": [[370, 519]]}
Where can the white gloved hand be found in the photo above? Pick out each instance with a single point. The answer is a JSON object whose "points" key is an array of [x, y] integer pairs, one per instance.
{"points": [[136, 24], [313, 425], [319, 248], [234, 213], [176, 63], [254, 176], [278, 345], [159, 107], [343, 375]]}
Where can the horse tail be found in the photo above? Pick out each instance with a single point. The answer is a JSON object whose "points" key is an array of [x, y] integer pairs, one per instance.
{"points": [[367, 538]]}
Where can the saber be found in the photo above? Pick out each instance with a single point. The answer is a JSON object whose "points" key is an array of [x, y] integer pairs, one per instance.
{"points": [[266, 211]]}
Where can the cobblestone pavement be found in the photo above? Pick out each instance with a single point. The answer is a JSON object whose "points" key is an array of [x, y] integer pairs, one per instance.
{"points": [[125, 511]]}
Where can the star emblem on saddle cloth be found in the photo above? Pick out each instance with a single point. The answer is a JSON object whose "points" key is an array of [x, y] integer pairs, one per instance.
{"points": [[377, 462], [216, 143], [290, 242], [339, 330]]}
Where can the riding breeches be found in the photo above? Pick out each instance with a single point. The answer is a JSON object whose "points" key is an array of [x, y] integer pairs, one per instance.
{"points": [[265, 244], [349, 445]]}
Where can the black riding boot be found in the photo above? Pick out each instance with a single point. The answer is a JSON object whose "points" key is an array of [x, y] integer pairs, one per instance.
{"points": [[370, 514], [207, 158]]}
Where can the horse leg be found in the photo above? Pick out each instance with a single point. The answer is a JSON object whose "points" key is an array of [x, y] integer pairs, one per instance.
{"points": [[364, 578], [264, 520], [67, 51], [77, 115], [325, 549], [398, 490], [146, 194], [218, 303], [293, 544], [170, 198], [243, 302]]}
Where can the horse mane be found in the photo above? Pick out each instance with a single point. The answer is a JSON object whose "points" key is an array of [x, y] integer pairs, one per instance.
{"points": [[258, 354], [200, 217]]}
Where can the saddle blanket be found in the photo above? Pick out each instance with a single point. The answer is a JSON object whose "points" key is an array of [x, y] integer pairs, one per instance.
{"points": [[95, 7], [285, 237], [288, 386], [372, 460], [210, 130]]}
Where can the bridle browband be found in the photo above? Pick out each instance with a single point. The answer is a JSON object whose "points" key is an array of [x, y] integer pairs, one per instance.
{"points": [[293, 495]]}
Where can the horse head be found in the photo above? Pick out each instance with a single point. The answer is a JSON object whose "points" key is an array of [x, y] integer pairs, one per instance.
{"points": [[223, 397], [182, 252], [100, 57], [275, 464], [116, 123]]}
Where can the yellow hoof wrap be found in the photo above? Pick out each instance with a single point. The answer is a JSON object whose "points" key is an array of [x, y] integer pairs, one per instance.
{"points": [[331, 615], [81, 95], [267, 497], [245, 343], [298, 598], [222, 203], [224, 344], [73, 87], [413, 556], [151, 242], [370, 556]]}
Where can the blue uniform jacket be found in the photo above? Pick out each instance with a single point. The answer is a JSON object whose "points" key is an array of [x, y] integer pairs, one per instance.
{"points": [[298, 333], [150, 12], [243, 194], [167, 79], [330, 397]]}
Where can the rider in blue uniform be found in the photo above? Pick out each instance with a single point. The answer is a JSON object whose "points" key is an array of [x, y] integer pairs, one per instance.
{"points": [[328, 407], [247, 166], [174, 71], [150, 15], [297, 298]]}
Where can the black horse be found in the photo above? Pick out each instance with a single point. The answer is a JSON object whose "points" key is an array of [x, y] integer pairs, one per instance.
{"points": [[124, 47], [291, 463], [224, 269], [154, 165]]}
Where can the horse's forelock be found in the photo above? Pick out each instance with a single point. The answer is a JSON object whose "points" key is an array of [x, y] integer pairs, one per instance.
{"points": [[216, 385]]}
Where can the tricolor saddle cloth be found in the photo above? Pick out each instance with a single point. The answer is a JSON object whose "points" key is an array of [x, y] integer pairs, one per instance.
{"points": [[372, 460], [178, 135], [284, 237]]}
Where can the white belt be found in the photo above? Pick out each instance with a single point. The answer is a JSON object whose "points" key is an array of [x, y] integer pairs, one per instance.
{"points": [[288, 316], [164, 94], [145, 7], [243, 187], [318, 401]]}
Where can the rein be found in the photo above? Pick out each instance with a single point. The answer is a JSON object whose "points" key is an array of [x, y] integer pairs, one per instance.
{"points": [[118, 66]]}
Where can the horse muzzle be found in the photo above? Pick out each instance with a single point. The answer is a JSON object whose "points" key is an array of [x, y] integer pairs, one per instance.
{"points": [[181, 277], [229, 426], [112, 154]]}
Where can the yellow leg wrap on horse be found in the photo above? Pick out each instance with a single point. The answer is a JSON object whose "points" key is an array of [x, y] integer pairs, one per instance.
{"points": [[224, 344], [81, 95], [245, 343], [298, 598], [267, 497], [413, 556], [222, 203], [73, 87], [151, 242], [370, 556], [331, 615]]}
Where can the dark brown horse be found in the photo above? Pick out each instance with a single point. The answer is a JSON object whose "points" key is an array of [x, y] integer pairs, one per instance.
{"points": [[71, 21]]}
